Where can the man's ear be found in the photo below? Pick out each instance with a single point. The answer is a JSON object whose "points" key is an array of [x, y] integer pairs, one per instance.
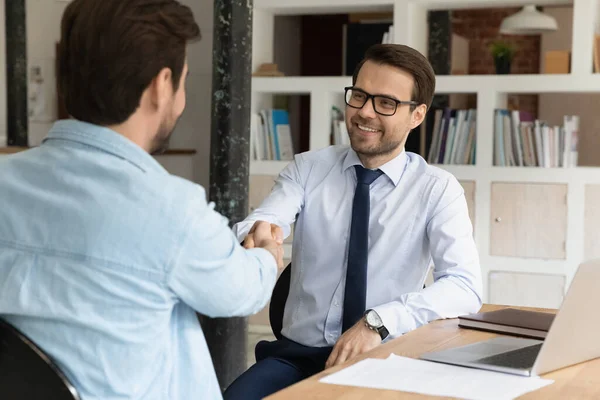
{"points": [[162, 88], [418, 115]]}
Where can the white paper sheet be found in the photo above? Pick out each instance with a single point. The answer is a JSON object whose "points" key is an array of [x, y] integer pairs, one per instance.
{"points": [[431, 378]]}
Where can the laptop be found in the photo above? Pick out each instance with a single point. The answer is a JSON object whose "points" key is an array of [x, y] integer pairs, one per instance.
{"points": [[572, 338]]}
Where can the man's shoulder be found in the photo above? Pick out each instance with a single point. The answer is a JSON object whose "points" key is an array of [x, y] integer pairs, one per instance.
{"points": [[327, 156], [173, 189], [430, 174]]}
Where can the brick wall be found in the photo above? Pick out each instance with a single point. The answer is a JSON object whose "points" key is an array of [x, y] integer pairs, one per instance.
{"points": [[481, 28]]}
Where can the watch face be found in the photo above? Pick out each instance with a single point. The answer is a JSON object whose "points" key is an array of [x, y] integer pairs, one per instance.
{"points": [[374, 320]]}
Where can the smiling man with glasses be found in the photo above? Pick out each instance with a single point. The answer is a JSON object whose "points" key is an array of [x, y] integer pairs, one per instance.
{"points": [[370, 219]]}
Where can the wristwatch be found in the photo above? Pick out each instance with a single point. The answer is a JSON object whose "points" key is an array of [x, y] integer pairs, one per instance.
{"points": [[373, 321]]}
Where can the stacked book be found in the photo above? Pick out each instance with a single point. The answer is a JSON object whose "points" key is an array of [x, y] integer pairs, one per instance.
{"points": [[339, 130], [454, 137], [270, 136], [510, 321], [521, 140]]}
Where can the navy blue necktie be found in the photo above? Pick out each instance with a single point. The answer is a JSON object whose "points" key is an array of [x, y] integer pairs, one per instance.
{"points": [[355, 294]]}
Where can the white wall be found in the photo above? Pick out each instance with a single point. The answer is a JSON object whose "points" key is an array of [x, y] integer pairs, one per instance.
{"points": [[193, 130], [43, 32]]}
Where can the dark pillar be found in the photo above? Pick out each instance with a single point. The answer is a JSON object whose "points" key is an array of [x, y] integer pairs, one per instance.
{"points": [[440, 36], [229, 164], [440, 39], [16, 72]]}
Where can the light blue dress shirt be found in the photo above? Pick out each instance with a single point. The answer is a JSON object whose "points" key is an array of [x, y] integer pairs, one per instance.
{"points": [[418, 216], [104, 259]]}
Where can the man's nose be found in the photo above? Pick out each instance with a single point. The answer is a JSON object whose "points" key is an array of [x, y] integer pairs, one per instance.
{"points": [[367, 111]]}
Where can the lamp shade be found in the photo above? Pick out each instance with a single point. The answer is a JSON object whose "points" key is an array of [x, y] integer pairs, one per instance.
{"points": [[528, 21]]}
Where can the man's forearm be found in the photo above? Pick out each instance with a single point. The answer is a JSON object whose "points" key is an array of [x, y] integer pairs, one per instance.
{"points": [[448, 297]]}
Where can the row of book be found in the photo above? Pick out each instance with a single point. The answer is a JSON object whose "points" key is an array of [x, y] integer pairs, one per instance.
{"points": [[271, 136], [453, 137], [388, 37], [522, 140], [339, 130]]}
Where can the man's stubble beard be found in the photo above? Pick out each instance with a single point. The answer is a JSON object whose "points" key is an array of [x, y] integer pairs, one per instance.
{"points": [[382, 148], [160, 143]]}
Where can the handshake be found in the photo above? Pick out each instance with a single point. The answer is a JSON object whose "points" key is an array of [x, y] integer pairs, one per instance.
{"points": [[266, 236]]}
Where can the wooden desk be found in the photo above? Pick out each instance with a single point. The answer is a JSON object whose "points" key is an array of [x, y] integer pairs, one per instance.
{"points": [[580, 381]]}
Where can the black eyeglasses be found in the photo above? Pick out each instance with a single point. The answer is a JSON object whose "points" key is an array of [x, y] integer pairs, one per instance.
{"points": [[357, 98]]}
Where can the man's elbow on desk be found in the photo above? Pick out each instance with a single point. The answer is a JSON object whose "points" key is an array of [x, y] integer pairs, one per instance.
{"points": [[466, 293]]}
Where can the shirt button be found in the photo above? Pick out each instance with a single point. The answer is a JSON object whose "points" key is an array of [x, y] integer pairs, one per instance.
{"points": [[336, 303]]}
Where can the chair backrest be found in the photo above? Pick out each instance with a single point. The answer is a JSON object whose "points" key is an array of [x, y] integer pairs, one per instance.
{"points": [[278, 299], [26, 372]]}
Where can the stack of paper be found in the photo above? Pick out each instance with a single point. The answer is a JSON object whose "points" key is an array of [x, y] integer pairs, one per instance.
{"points": [[431, 378]]}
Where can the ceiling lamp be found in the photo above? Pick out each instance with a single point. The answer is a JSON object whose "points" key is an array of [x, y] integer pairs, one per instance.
{"points": [[528, 21]]}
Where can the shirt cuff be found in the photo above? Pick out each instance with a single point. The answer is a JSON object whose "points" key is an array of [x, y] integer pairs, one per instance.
{"points": [[395, 318], [269, 263], [241, 229]]}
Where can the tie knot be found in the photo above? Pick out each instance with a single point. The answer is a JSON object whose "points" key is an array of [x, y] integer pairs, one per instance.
{"points": [[366, 176]]}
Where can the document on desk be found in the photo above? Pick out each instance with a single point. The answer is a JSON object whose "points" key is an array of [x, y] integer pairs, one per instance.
{"points": [[436, 379]]}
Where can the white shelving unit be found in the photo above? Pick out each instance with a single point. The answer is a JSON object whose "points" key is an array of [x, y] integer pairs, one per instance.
{"points": [[410, 22]]}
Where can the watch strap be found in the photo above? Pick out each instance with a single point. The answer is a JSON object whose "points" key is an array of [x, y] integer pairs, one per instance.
{"points": [[383, 332]]}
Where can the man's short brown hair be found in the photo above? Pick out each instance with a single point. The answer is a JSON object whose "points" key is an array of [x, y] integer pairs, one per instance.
{"points": [[409, 60], [110, 50]]}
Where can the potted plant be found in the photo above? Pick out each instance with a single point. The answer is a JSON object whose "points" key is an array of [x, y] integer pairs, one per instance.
{"points": [[503, 53]]}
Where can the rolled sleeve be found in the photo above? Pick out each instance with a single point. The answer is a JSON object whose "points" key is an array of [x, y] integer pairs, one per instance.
{"points": [[396, 318], [214, 274]]}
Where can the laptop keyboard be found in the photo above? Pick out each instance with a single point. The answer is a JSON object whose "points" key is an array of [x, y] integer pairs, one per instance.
{"points": [[523, 358]]}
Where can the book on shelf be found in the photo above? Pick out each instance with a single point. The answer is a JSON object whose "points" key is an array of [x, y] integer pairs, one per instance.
{"points": [[339, 130], [388, 37], [453, 136], [511, 321], [271, 136], [521, 140]]}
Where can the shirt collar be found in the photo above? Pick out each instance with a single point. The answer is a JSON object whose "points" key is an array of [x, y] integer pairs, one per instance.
{"points": [[393, 169], [104, 139]]}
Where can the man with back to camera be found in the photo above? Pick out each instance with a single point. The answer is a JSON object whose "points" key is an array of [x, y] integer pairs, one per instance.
{"points": [[105, 257], [401, 215]]}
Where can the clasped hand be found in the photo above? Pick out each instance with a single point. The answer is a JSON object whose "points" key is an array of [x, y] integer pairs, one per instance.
{"points": [[266, 236]]}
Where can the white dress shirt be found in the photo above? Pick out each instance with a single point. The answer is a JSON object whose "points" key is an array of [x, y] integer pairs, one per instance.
{"points": [[418, 216]]}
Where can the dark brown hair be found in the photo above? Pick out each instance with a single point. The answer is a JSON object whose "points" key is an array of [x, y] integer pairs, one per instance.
{"points": [[409, 60], [111, 50]]}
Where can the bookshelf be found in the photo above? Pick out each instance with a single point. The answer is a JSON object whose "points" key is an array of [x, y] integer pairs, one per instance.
{"points": [[560, 225]]}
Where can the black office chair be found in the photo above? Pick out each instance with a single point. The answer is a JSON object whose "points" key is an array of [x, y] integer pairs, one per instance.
{"points": [[278, 299], [26, 372]]}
